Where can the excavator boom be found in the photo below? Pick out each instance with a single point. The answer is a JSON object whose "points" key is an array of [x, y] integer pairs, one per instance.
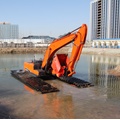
{"points": [[78, 37], [60, 65]]}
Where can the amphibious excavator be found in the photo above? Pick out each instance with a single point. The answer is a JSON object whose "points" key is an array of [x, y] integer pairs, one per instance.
{"points": [[55, 65]]}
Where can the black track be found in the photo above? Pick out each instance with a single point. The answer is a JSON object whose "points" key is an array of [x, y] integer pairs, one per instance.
{"points": [[39, 84], [76, 81], [33, 81]]}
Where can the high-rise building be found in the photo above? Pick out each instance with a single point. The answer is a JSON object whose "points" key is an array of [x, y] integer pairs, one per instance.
{"points": [[8, 31], [104, 19]]}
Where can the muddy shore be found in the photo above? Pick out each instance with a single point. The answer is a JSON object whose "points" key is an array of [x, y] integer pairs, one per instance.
{"points": [[27, 50], [102, 51], [96, 51]]}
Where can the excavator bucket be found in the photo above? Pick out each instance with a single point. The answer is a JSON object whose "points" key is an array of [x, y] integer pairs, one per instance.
{"points": [[59, 64]]}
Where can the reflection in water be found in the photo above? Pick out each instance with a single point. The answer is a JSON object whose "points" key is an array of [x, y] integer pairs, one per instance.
{"points": [[59, 106], [99, 65], [56, 106], [29, 89], [69, 102]]}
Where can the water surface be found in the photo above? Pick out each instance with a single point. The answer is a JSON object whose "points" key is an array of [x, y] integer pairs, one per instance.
{"points": [[100, 101]]}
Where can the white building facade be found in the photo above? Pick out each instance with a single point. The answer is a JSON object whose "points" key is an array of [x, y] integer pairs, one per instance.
{"points": [[9, 31], [23, 43], [104, 19]]}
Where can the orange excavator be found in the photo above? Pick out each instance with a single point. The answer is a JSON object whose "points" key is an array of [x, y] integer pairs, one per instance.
{"points": [[59, 65]]}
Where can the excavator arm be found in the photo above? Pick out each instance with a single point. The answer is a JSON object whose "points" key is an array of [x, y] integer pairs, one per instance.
{"points": [[54, 47], [78, 37], [60, 64]]}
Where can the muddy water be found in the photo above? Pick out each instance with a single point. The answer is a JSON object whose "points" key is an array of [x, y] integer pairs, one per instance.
{"points": [[100, 101]]}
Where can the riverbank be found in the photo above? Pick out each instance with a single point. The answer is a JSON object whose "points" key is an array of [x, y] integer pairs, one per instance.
{"points": [[96, 51], [101, 51], [28, 50]]}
